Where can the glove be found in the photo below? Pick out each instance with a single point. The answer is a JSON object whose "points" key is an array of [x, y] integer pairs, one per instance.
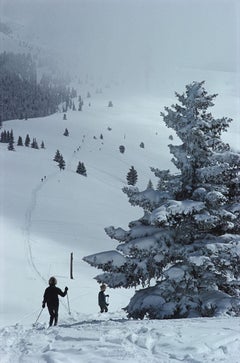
{"points": [[106, 295], [66, 288], [43, 305], [107, 304]]}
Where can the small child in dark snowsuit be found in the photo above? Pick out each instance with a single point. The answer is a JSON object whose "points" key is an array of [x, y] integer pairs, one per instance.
{"points": [[102, 299], [51, 298]]}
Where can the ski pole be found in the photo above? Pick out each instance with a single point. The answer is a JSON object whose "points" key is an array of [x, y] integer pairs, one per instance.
{"points": [[69, 312], [38, 317]]}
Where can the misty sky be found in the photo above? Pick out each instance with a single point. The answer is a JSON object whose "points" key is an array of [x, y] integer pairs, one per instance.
{"points": [[135, 36]]}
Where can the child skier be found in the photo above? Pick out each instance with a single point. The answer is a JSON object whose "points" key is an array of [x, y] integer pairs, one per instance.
{"points": [[51, 298], [102, 299]]}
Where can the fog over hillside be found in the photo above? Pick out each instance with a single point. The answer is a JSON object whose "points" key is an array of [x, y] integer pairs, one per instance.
{"points": [[146, 44]]}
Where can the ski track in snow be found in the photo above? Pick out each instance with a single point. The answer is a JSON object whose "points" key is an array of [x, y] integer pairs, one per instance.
{"points": [[116, 340], [27, 229], [28, 223], [29, 213]]}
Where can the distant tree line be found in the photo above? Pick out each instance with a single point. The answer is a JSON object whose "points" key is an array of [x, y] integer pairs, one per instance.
{"points": [[22, 95], [8, 138]]}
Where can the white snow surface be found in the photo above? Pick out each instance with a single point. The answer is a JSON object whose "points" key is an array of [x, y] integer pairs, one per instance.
{"points": [[46, 214], [112, 338]]}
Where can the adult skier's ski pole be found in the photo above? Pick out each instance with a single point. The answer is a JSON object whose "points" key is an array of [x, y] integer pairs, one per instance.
{"points": [[38, 317], [69, 312]]}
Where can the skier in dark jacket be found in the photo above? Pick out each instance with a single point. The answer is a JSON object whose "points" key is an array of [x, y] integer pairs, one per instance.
{"points": [[102, 299], [50, 298]]}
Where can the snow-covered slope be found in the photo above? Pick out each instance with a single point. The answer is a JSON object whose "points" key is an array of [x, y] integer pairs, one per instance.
{"points": [[46, 214], [104, 340]]}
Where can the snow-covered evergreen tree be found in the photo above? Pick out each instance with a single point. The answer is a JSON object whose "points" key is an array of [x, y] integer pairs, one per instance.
{"points": [[34, 144], [20, 141], [57, 156], [150, 184], [81, 169], [132, 176], [61, 163], [66, 132], [188, 241], [3, 137], [11, 145], [80, 103], [122, 149], [27, 141]]}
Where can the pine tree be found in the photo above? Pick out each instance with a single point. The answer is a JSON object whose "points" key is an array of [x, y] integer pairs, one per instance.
{"points": [[122, 149], [81, 169], [57, 156], [66, 132], [132, 176], [188, 239], [3, 136], [8, 138], [34, 144], [110, 104], [61, 163], [42, 145], [150, 184], [11, 137], [10, 145], [27, 141], [20, 141], [80, 105]]}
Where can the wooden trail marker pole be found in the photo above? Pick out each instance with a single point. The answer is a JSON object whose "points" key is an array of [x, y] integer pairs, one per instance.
{"points": [[71, 265]]}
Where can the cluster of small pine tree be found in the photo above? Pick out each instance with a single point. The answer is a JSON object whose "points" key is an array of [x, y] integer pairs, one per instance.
{"points": [[69, 103], [81, 169], [8, 138]]}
